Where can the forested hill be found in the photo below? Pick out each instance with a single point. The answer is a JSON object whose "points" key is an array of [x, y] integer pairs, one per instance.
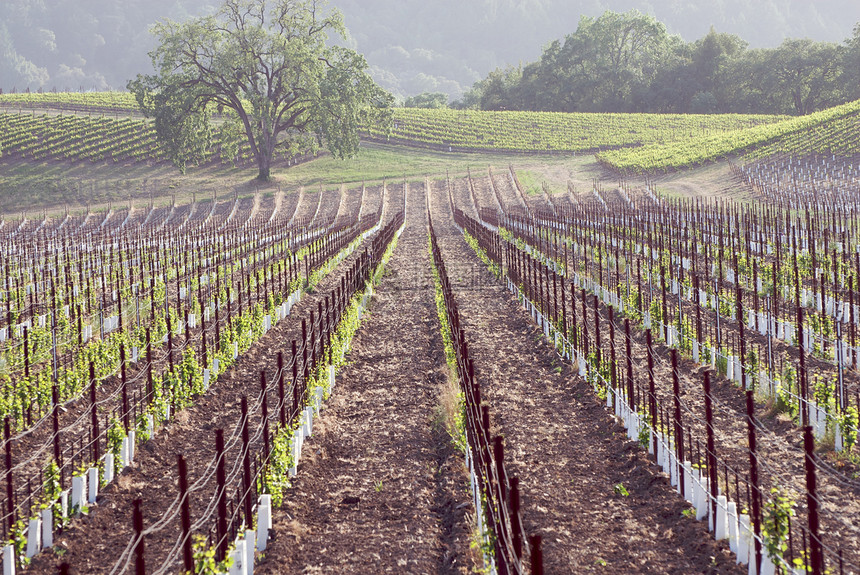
{"points": [[413, 46]]}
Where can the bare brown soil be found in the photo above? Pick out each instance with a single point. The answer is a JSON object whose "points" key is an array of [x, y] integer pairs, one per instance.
{"points": [[381, 489], [567, 450]]}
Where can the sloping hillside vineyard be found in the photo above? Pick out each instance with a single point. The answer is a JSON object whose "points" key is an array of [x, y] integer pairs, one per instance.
{"points": [[829, 132], [443, 375], [68, 137]]}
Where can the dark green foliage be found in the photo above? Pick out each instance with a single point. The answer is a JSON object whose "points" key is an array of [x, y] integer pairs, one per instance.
{"points": [[266, 68], [629, 63], [432, 100]]}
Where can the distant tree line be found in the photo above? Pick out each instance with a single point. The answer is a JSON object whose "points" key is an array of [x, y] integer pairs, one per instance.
{"points": [[627, 62], [427, 100]]}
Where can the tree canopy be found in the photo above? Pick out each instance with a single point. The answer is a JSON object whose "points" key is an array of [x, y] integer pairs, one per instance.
{"points": [[412, 46], [629, 63], [427, 100], [267, 69]]}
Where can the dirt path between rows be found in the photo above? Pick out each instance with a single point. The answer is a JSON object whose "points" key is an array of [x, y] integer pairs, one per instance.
{"points": [[379, 487], [565, 447]]}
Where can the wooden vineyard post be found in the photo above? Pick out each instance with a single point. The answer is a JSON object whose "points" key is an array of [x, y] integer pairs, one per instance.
{"points": [[125, 410], [754, 479], [516, 525], [119, 306], [295, 382], [27, 369], [229, 309], [265, 415], [816, 552], [54, 359], [149, 387], [217, 344], [628, 344], [537, 554], [742, 339], [840, 359], [94, 418], [304, 355], [185, 511], [584, 325], [652, 392], [851, 326], [755, 294], [499, 458], [575, 335], [221, 479], [711, 455], [769, 315], [563, 296], [282, 404], [678, 426], [26, 353], [613, 373], [698, 304], [597, 349], [664, 330], [139, 546], [10, 486], [328, 327], [204, 351], [246, 465], [239, 296], [801, 376], [55, 416]]}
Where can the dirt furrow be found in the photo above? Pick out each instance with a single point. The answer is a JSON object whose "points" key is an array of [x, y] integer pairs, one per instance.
{"points": [[590, 492], [379, 488]]}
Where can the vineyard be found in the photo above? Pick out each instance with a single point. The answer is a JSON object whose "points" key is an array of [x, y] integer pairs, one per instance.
{"points": [[76, 137], [685, 368], [761, 442], [471, 130], [99, 102], [100, 139], [455, 375], [628, 143], [70, 138], [829, 132]]}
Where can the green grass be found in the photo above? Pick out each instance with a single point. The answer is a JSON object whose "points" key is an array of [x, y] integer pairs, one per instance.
{"points": [[36, 186], [530, 181], [376, 162]]}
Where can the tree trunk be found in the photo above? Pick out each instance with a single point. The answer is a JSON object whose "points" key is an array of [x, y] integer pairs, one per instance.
{"points": [[264, 162], [266, 149]]}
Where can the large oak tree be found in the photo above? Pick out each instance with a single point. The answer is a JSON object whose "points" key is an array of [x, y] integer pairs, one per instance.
{"points": [[267, 69]]}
